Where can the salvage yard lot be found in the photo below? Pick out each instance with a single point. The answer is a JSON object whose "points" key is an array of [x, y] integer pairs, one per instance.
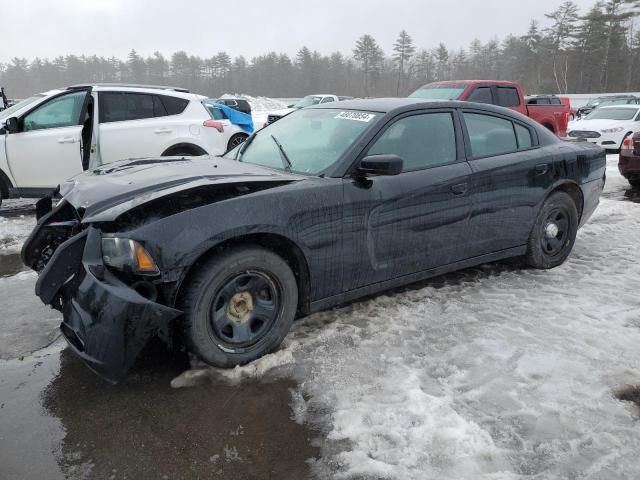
{"points": [[496, 372]]}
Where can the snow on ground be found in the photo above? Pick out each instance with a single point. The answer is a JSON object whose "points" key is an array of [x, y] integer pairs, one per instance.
{"points": [[14, 231], [260, 107], [493, 373]]}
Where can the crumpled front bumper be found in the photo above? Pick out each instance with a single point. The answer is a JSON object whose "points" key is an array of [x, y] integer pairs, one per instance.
{"points": [[106, 322]]}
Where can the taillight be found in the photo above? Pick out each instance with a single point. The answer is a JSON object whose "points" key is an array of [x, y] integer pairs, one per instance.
{"points": [[627, 145], [214, 124]]}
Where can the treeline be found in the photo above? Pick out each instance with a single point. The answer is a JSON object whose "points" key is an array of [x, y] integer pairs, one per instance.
{"points": [[578, 52]]}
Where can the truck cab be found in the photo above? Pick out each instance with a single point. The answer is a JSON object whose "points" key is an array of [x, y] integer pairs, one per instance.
{"points": [[495, 92]]}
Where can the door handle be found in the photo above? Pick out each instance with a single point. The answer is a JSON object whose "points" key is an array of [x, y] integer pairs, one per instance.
{"points": [[67, 140], [163, 130], [459, 189], [542, 168]]}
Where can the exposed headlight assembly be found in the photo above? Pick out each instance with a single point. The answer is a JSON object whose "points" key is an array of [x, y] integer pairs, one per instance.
{"points": [[128, 255], [612, 130]]}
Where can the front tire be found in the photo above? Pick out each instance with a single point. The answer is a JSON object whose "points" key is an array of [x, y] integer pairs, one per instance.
{"points": [[239, 306], [634, 182], [554, 232]]}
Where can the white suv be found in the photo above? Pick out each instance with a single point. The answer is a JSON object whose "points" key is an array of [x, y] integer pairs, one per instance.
{"points": [[50, 137]]}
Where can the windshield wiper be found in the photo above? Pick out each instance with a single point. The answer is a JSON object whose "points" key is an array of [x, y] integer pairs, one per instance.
{"points": [[283, 155], [244, 146]]}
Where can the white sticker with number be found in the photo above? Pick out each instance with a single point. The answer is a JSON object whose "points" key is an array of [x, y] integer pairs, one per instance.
{"points": [[358, 116]]}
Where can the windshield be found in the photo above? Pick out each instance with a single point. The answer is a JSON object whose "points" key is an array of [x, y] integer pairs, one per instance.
{"points": [[440, 91], [23, 103], [312, 140], [308, 101], [612, 113]]}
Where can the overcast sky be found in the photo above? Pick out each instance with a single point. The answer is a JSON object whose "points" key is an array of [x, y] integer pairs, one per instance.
{"points": [[47, 28]]}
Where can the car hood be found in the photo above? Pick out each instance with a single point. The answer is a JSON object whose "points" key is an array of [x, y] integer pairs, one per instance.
{"points": [[283, 112], [595, 125], [103, 193]]}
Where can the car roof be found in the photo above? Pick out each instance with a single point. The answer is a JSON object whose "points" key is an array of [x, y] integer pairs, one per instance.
{"points": [[121, 87], [505, 83], [385, 105], [624, 105]]}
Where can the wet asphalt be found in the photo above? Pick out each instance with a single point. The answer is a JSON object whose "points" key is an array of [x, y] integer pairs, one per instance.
{"points": [[58, 420]]}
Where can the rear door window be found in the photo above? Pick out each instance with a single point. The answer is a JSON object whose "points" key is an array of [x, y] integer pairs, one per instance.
{"points": [[508, 97], [490, 135], [123, 106], [481, 95]]}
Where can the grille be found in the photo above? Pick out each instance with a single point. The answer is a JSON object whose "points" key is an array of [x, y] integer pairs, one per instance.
{"points": [[584, 134]]}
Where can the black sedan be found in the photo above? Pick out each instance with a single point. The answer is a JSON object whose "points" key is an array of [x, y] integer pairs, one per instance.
{"points": [[329, 204]]}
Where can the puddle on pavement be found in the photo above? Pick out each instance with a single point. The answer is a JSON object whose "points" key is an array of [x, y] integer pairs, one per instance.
{"points": [[11, 264], [146, 429]]}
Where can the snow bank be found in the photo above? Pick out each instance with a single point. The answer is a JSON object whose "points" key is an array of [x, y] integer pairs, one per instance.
{"points": [[496, 372], [14, 231]]}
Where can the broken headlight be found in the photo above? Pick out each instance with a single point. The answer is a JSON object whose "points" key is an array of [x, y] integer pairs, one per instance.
{"points": [[128, 256]]}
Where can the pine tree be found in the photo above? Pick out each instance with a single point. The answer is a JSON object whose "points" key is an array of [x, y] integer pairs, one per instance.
{"points": [[370, 56], [404, 50]]}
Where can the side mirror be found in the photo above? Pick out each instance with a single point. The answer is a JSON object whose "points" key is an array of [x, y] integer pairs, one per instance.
{"points": [[388, 164], [11, 125]]}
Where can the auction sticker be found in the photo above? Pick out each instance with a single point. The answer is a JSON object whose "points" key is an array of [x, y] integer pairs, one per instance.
{"points": [[358, 116]]}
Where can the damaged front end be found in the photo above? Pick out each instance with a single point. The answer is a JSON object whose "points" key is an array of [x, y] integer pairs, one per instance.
{"points": [[106, 320]]}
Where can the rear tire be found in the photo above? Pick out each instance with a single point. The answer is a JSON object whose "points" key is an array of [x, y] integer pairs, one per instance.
{"points": [[239, 306], [554, 232], [634, 182], [236, 140]]}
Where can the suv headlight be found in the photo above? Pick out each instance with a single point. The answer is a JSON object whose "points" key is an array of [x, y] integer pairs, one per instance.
{"points": [[127, 255], [612, 130]]}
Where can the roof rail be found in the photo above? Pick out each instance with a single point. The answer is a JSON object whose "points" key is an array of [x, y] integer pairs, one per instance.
{"points": [[133, 85]]}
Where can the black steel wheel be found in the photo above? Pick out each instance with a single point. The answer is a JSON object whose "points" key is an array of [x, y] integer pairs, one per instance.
{"points": [[554, 232], [238, 306]]}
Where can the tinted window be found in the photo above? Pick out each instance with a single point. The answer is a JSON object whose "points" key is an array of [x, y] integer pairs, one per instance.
{"points": [[216, 113], [524, 136], [508, 97], [481, 95], [327, 100], [174, 105], [158, 107], [556, 101], [490, 135], [118, 106], [62, 111], [421, 141]]}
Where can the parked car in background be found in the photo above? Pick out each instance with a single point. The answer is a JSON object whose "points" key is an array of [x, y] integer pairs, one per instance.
{"points": [[505, 94], [629, 160], [53, 136], [607, 126], [552, 100], [606, 100], [239, 104], [331, 203], [231, 120], [302, 103]]}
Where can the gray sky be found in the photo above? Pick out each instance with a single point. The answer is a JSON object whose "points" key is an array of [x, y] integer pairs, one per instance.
{"points": [[47, 28]]}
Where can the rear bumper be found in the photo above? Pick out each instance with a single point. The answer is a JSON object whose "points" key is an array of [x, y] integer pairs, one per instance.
{"points": [[105, 322], [591, 192], [629, 166]]}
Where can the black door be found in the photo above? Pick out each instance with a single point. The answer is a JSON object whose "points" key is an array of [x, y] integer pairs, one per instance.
{"points": [[398, 225], [510, 178]]}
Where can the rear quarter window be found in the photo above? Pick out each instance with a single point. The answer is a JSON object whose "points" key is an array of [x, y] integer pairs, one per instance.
{"points": [[174, 105]]}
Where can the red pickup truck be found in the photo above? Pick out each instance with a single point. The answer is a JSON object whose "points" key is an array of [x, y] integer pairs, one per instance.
{"points": [[505, 94]]}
